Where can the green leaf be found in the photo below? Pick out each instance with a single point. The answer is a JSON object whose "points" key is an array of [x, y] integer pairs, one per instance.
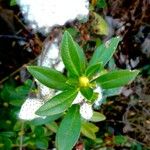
{"points": [[49, 77], [101, 4], [69, 130], [89, 129], [97, 117], [52, 126], [41, 143], [18, 125], [99, 25], [15, 95], [112, 64], [41, 121], [105, 51], [58, 103], [73, 82], [72, 55], [7, 134], [115, 79], [120, 139], [73, 32], [93, 69], [39, 131], [112, 92], [13, 3], [87, 92], [5, 143]]}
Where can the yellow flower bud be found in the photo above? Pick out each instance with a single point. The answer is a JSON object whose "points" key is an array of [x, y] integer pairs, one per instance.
{"points": [[84, 82]]}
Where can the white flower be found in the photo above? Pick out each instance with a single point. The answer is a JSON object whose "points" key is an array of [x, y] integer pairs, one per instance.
{"points": [[50, 54], [48, 13], [45, 91], [86, 111], [79, 98], [28, 109], [100, 96], [60, 66], [49, 58]]}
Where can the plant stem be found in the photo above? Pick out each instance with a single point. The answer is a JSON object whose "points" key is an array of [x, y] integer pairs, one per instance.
{"points": [[21, 136]]}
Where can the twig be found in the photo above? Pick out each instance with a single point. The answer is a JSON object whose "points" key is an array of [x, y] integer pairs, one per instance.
{"points": [[16, 71], [12, 37]]}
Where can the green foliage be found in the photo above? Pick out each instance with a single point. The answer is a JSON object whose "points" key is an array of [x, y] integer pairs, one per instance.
{"points": [[93, 69], [89, 129], [97, 117], [5, 143], [13, 3], [49, 77], [72, 55], [41, 121], [57, 104], [101, 4], [112, 91], [87, 92], [104, 52], [69, 130], [116, 78], [73, 32], [99, 25], [11, 99], [83, 77], [15, 95], [120, 140]]}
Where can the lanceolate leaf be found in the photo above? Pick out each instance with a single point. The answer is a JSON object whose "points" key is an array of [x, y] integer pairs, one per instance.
{"points": [[112, 92], [73, 82], [82, 57], [40, 121], [116, 78], [72, 55], [97, 117], [89, 129], [49, 77], [105, 51], [87, 92], [93, 69], [69, 130], [58, 103]]}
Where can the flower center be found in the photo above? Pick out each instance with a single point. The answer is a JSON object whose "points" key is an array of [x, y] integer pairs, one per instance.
{"points": [[83, 81]]}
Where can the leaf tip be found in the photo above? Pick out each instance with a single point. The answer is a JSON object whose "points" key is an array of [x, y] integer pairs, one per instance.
{"points": [[39, 112], [135, 72], [29, 68], [119, 38], [66, 33]]}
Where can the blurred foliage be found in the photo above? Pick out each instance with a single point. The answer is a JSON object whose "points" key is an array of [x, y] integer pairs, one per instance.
{"points": [[13, 3], [99, 3], [11, 128]]}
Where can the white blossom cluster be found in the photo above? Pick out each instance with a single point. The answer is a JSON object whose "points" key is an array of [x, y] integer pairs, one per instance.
{"points": [[50, 57], [48, 13], [86, 109], [29, 107]]}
